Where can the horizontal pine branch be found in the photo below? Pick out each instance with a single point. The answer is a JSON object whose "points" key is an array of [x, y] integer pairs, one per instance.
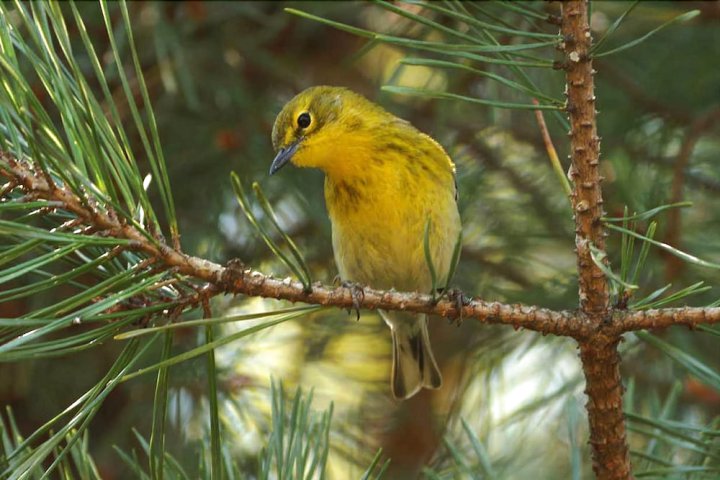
{"points": [[236, 278]]}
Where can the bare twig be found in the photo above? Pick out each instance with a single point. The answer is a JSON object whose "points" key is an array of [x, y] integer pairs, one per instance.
{"points": [[550, 149], [663, 318]]}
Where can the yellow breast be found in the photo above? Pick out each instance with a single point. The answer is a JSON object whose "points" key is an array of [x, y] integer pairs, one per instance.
{"points": [[380, 210]]}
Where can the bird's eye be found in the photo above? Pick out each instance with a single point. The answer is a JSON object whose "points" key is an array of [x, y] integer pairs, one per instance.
{"points": [[304, 120]]}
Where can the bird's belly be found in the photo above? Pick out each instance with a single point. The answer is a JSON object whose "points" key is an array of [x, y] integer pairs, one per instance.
{"points": [[382, 245], [373, 257]]}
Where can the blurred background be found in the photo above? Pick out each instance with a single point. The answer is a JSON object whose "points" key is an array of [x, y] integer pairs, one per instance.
{"points": [[219, 72]]}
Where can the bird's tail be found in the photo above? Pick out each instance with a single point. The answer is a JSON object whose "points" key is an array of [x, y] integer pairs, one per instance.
{"points": [[414, 365]]}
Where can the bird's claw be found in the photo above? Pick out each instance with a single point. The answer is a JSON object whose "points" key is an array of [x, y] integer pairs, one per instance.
{"points": [[358, 295], [233, 271], [460, 300]]}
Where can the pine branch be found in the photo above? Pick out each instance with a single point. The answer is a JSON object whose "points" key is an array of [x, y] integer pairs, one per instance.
{"points": [[585, 153], [236, 278], [599, 355]]}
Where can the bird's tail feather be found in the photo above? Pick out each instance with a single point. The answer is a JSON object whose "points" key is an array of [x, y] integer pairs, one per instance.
{"points": [[414, 365]]}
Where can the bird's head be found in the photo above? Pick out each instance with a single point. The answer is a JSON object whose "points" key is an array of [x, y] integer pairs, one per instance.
{"points": [[321, 126]]}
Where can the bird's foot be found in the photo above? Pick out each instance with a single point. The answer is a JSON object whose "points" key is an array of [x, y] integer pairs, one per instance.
{"points": [[233, 272], [460, 300], [358, 295]]}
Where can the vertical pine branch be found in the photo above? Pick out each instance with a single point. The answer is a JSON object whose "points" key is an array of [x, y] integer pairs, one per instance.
{"points": [[585, 154], [598, 352], [603, 386]]}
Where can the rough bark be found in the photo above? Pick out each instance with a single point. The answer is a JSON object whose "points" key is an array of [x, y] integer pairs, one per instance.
{"points": [[608, 438], [598, 352], [585, 154]]}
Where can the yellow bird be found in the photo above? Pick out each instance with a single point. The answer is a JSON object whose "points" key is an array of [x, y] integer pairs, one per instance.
{"points": [[385, 184]]}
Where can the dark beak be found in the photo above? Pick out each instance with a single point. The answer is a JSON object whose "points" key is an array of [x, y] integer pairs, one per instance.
{"points": [[283, 156]]}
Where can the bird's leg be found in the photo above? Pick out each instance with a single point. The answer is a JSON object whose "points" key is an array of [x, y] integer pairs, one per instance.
{"points": [[357, 293]]}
